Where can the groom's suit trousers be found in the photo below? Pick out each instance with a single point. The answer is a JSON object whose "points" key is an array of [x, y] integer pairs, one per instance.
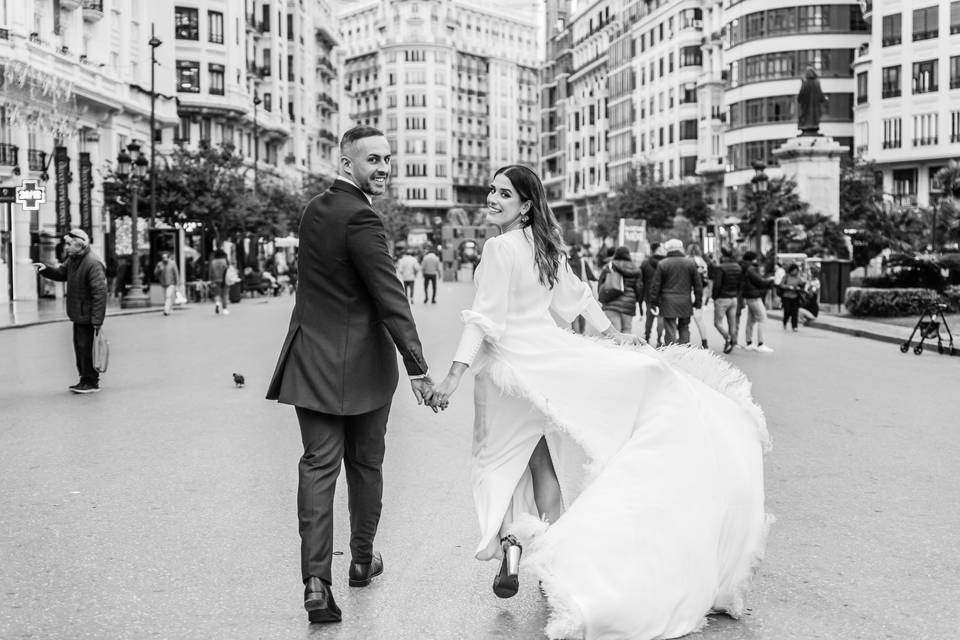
{"points": [[357, 442]]}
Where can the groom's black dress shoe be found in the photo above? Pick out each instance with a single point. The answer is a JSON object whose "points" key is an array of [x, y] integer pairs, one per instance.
{"points": [[362, 574], [318, 601]]}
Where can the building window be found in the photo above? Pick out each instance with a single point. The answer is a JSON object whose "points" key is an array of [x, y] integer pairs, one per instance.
{"points": [[955, 17], [691, 57], [955, 126], [925, 76], [441, 193], [268, 102], [892, 30], [688, 129], [216, 79], [183, 131], [205, 128], [215, 18], [955, 72], [187, 24], [891, 133], [891, 82], [926, 129], [814, 18], [862, 87], [905, 185], [188, 76], [926, 23]]}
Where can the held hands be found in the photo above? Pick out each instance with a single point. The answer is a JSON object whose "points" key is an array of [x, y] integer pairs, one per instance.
{"points": [[423, 390], [443, 391]]}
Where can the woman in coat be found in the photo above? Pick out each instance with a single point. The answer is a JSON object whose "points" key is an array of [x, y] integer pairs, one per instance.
{"points": [[622, 307]]}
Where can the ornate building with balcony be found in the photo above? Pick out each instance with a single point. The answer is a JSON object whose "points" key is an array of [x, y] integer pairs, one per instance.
{"points": [[907, 118], [454, 88], [766, 52], [74, 90], [253, 75]]}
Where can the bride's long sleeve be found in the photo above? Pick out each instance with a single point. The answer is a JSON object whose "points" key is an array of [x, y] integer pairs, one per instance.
{"points": [[487, 318], [572, 297]]}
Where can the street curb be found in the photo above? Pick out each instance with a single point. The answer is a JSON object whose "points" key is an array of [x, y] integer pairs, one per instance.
{"points": [[857, 333], [125, 312]]}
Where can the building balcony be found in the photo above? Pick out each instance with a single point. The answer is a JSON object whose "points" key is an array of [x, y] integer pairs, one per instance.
{"points": [[8, 154], [92, 10], [36, 159], [4, 34]]}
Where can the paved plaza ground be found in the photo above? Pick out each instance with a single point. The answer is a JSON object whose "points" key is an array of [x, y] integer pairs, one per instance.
{"points": [[165, 506]]}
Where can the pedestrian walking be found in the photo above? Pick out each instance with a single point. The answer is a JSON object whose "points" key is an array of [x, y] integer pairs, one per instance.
{"points": [[338, 364], [622, 307], [810, 299], [727, 277], [647, 268], [695, 253], [677, 289], [167, 274], [432, 269], [407, 269], [753, 288], [217, 277], [581, 268], [671, 522], [791, 288], [86, 279]]}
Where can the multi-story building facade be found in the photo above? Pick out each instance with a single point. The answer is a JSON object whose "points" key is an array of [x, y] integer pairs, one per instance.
{"points": [[908, 84], [74, 91], [767, 51], [259, 76], [553, 108], [453, 86]]}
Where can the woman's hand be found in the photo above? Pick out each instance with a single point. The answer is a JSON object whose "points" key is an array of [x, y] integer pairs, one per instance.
{"points": [[447, 387], [623, 338]]}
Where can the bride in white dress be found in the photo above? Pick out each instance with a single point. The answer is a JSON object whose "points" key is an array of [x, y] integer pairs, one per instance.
{"points": [[670, 523]]}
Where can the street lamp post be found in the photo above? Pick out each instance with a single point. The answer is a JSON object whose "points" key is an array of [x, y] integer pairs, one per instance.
{"points": [[256, 142], [132, 167], [776, 236], [759, 185], [154, 42]]}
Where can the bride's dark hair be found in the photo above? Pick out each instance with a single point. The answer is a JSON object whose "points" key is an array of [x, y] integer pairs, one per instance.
{"points": [[547, 238]]}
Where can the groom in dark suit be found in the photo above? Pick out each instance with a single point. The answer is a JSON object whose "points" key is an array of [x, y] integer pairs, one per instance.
{"points": [[338, 364]]}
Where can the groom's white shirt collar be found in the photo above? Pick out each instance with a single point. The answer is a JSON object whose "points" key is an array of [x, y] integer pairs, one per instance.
{"points": [[349, 181]]}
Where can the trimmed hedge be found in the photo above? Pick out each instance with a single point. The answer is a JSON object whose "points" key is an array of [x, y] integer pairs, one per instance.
{"points": [[888, 303]]}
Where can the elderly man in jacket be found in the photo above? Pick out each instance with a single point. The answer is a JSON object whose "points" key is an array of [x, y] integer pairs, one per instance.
{"points": [[677, 289], [86, 279]]}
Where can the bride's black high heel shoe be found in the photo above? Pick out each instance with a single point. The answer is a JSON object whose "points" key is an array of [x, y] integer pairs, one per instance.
{"points": [[507, 582]]}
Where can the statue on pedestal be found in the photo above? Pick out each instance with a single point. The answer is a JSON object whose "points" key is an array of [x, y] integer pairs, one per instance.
{"points": [[810, 104]]}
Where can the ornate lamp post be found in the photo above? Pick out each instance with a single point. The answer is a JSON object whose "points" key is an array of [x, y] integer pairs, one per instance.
{"points": [[132, 168], [759, 185], [154, 42], [256, 142]]}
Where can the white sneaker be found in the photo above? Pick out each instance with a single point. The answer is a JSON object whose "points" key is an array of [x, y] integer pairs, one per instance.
{"points": [[225, 312], [749, 347], [764, 349]]}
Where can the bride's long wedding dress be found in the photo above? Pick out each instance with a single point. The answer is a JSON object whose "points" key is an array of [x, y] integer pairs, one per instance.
{"points": [[670, 523]]}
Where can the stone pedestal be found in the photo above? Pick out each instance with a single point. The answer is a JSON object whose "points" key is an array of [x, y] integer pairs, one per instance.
{"points": [[813, 162]]}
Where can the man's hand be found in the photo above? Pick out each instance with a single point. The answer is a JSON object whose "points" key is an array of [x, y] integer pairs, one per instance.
{"points": [[40, 266], [423, 390]]}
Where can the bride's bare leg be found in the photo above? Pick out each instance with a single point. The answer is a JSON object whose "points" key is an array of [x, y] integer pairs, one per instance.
{"points": [[546, 486]]}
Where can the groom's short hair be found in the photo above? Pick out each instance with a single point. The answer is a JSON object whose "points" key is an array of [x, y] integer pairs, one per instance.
{"points": [[357, 133]]}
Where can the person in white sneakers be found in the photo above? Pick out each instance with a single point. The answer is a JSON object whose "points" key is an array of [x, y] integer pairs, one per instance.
{"points": [[754, 287]]}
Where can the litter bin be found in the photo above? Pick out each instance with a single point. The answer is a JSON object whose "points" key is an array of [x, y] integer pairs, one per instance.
{"points": [[235, 292], [834, 280]]}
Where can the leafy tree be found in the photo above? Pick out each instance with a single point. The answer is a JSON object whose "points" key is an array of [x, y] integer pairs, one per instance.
{"points": [[874, 225], [395, 216], [779, 200], [813, 234], [647, 199]]}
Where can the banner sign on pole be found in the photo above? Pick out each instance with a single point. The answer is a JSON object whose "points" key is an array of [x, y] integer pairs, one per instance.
{"points": [[86, 185], [61, 169], [633, 235]]}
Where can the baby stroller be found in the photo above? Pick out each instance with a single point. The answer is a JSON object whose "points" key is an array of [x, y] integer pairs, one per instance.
{"points": [[929, 327]]}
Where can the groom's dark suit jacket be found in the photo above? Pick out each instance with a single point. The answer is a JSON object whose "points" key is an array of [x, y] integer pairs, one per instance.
{"points": [[339, 356]]}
